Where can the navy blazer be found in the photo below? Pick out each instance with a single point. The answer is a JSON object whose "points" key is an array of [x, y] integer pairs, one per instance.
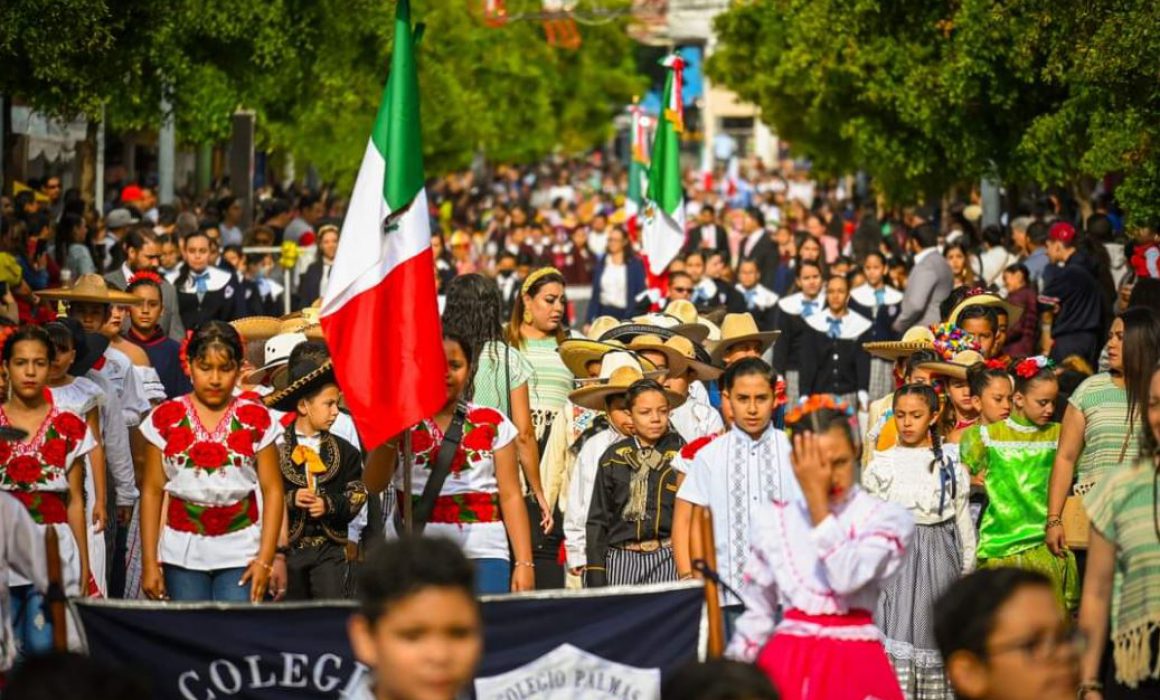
{"points": [[636, 286]]}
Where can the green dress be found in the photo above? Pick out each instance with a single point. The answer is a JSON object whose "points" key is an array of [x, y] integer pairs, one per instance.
{"points": [[1017, 457]]}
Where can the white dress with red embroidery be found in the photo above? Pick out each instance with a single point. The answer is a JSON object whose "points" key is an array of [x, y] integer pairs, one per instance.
{"points": [[827, 578], [212, 521], [35, 471], [467, 510]]}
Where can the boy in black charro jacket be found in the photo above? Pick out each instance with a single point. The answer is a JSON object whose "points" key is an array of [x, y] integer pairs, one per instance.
{"points": [[322, 475]]}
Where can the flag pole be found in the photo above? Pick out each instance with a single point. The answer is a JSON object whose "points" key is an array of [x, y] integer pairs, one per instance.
{"points": [[408, 462]]}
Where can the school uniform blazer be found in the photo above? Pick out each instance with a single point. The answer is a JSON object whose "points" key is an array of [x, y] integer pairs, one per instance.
{"points": [[635, 282], [788, 348], [835, 365], [864, 301], [222, 301]]}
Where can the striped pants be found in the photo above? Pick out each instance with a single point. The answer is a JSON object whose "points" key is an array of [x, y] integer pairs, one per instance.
{"points": [[628, 568]]}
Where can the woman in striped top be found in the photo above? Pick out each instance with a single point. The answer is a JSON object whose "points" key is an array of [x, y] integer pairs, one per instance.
{"points": [[1100, 428], [536, 329]]}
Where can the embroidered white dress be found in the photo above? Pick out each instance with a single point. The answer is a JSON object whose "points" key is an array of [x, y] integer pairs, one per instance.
{"points": [[211, 467], [735, 477]]}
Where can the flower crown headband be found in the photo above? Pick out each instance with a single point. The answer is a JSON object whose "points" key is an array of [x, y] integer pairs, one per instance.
{"points": [[536, 276], [949, 340], [145, 276], [1029, 367], [819, 402]]}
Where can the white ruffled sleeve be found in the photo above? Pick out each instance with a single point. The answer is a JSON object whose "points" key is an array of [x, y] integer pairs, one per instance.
{"points": [[758, 593], [858, 548], [964, 523]]}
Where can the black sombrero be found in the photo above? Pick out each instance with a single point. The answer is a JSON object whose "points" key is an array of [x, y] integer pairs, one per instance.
{"points": [[304, 378]]}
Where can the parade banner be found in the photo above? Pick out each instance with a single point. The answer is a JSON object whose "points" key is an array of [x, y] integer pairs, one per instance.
{"points": [[608, 643]]}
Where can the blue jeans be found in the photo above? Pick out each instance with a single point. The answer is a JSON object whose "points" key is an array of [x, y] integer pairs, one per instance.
{"points": [[30, 621], [492, 576], [218, 585]]}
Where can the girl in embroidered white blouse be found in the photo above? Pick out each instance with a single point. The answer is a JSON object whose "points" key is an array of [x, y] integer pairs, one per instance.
{"points": [[823, 560]]}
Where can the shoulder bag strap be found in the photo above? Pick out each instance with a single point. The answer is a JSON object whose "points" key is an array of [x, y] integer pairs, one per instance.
{"points": [[439, 471]]}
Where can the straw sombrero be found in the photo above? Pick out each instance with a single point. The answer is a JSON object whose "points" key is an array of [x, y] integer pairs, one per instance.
{"points": [[680, 352], [257, 327], [1013, 312], [305, 377], [577, 353], [957, 367], [740, 328], [626, 332], [618, 381], [915, 339], [93, 289], [277, 355]]}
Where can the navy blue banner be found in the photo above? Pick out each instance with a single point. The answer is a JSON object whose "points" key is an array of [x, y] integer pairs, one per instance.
{"points": [[208, 651]]}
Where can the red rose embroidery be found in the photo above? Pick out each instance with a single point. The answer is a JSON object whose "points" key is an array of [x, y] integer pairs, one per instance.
{"points": [[488, 416], [479, 438], [251, 396], [208, 455], [217, 520], [178, 440], [241, 442], [5, 452], [168, 415], [54, 452], [458, 461], [25, 470], [53, 510], [255, 416], [69, 426], [421, 441], [179, 518]]}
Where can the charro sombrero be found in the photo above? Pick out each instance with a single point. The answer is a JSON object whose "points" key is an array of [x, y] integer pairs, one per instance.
{"points": [[957, 367], [1014, 313], [277, 355], [257, 327], [625, 332], [740, 328], [93, 289], [915, 339], [578, 353], [305, 378], [679, 352], [618, 381]]}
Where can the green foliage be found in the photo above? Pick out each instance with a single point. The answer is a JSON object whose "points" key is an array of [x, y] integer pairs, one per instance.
{"points": [[925, 95]]}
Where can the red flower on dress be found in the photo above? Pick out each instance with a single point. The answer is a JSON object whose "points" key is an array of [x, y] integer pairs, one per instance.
{"points": [[179, 518], [255, 416], [69, 426], [208, 455], [216, 520], [421, 441], [178, 440], [242, 442], [168, 415], [5, 451], [488, 416], [480, 438], [25, 470], [251, 396], [287, 419], [54, 452], [52, 509], [483, 509], [459, 461]]}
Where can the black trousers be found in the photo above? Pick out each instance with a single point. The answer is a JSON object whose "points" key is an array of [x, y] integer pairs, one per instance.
{"points": [[316, 573], [546, 548]]}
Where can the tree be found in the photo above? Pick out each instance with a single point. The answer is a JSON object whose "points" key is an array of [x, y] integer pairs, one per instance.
{"points": [[924, 95]]}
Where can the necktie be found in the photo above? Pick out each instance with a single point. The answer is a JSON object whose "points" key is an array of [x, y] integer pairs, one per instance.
{"points": [[835, 327], [325, 280], [201, 284], [750, 298], [879, 297], [808, 308]]}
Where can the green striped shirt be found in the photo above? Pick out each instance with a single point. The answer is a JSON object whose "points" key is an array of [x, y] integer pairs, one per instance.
{"points": [[551, 381], [492, 387], [1121, 509], [1105, 412]]}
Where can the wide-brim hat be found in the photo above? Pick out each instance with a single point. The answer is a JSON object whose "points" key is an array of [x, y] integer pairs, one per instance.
{"points": [[298, 323], [915, 339], [1014, 313], [254, 328], [277, 356], [305, 378], [960, 363], [626, 332], [93, 289], [741, 328], [681, 354], [578, 353], [595, 396]]}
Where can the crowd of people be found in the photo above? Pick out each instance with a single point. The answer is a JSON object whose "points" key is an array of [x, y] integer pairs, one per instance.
{"points": [[928, 446]]}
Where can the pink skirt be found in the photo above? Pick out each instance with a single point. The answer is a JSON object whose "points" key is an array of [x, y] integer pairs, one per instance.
{"points": [[829, 665]]}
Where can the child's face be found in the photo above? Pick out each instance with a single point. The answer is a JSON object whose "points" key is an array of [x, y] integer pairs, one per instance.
{"points": [[994, 405], [874, 270], [747, 275], [58, 368], [837, 450], [457, 369], [959, 391], [1037, 401], [913, 417], [320, 410], [146, 314], [425, 646], [650, 415], [619, 415], [169, 255], [984, 333], [214, 375]]}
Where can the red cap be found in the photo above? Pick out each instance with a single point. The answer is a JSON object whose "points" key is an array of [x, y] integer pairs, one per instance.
{"points": [[131, 193], [1063, 232]]}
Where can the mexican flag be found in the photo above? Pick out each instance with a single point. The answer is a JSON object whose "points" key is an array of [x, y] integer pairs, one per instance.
{"points": [[380, 314], [663, 232]]}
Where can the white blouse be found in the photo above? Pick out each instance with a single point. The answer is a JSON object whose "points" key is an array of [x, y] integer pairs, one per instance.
{"points": [[694, 419], [192, 477], [580, 494], [829, 569], [903, 475]]}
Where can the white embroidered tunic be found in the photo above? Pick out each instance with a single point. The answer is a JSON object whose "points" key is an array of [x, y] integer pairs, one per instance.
{"points": [[833, 568], [580, 494]]}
